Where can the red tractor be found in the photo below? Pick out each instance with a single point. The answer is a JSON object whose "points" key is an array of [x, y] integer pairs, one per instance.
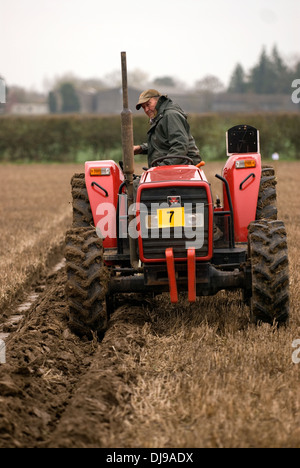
{"points": [[163, 232]]}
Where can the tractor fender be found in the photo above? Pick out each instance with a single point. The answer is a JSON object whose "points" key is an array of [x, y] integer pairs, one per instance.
{"points": [[103, 179], [243, 174]]}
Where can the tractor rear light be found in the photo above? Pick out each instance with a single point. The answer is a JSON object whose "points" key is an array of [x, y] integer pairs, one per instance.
{"points": [[245, 163], [100, 171]]}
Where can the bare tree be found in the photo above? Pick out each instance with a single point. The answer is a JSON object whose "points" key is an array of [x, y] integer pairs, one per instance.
{"points": [[210, 83]]}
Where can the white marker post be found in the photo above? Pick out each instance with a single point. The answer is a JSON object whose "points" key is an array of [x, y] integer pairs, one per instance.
{"points": [[2, 352]]}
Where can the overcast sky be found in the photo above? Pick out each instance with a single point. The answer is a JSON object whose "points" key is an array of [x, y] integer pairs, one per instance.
{"points": [[186, 39]]}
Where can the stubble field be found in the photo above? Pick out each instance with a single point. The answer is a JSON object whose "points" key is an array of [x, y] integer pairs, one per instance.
{"points": [[164, 376]]}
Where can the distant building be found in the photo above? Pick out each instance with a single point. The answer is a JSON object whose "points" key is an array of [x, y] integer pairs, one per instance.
{"points": [[29, 109], [203, 102], [228, 102], [110, 101], [88, 101]]}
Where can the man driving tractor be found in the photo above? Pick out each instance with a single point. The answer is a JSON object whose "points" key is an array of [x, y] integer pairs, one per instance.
{"points": [[169, 134]]}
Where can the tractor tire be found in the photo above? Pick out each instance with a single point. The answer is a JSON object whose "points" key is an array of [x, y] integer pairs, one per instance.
{"points": [[82, 213], [267, 202], [87, 282], [267, 246]]}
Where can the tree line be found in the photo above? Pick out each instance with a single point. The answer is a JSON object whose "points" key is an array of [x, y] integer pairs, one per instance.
{"points": [[271, 75]]}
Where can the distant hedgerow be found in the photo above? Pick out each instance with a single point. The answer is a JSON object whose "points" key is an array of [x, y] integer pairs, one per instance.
{"points": [[63, 137]]}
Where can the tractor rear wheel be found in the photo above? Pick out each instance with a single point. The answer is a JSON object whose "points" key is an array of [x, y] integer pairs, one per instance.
{"points": [[267, 203], [87, 282], [82, 213], [267, 245]]}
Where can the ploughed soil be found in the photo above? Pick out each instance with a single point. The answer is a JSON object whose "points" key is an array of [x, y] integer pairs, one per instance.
{"points": [[57, 390], [162, 376]]}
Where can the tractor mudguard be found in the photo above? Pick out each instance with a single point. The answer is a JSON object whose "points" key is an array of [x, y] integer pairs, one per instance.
{"points": [[243, 173], [103, 179]]}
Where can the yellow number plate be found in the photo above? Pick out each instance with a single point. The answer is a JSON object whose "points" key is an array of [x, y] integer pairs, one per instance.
{"points": [[170, 217]]}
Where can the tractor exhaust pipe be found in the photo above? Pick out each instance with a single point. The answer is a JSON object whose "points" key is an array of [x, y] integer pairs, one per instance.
{"points": [[128, 157], [127, 127]]}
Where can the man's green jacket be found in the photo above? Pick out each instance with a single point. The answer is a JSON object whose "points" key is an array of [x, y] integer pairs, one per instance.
{"points": [[169, 135]]}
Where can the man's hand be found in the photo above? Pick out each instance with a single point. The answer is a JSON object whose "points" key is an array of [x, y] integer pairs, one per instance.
{"points": [[137, 149]]}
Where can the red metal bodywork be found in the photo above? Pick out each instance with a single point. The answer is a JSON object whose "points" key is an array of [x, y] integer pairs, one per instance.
{"points": [[104, 206], [171, 275], [191, 275], [244, 199], [173, 174], [191, 267], [179, 176]]}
